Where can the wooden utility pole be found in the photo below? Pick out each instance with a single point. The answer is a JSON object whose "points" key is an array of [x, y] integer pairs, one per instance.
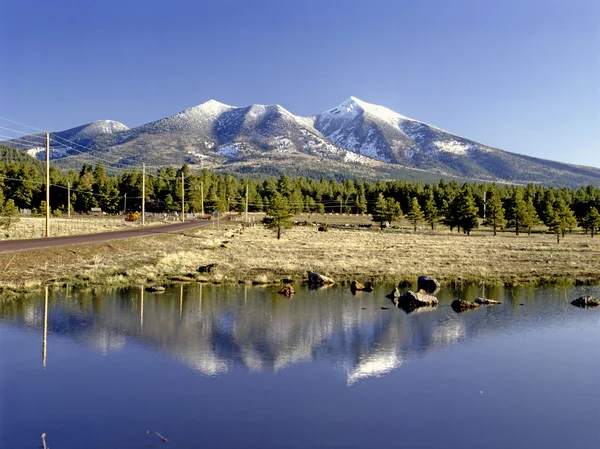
{"points": [[143, 194], [47, 184], [202, 196], [69, 199], [246, 201], [125, 206], [182, 199]]}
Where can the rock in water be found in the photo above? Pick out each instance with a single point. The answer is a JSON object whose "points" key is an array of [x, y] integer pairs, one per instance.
{"points": [[394, 294], [155, 289], [287, 290], [317, 280], [458, 305], [356, 286], [486, 301], [586, 301], [410, 301], [368, 287], [428, 284]]}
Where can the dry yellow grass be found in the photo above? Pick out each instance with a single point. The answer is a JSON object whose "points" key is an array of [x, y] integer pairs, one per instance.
{"points": [[253, 254], [34, 227]]}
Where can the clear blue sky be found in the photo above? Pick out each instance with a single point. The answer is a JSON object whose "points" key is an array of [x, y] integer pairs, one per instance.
{"points": [[521, 75]]}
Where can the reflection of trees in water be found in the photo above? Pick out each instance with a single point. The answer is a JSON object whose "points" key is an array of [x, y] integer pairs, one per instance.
{"points": [[211, 329]]}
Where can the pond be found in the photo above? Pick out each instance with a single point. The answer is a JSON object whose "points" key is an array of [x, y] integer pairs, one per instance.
{"points": [[243, 367]]}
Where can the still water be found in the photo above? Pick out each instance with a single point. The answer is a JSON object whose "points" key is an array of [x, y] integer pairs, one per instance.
{"points": [[242, 367]]}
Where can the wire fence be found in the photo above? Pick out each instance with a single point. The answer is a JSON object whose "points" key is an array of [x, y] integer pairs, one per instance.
{"points": [[30, 227]]}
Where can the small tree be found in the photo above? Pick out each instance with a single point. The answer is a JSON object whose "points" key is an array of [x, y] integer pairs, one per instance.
{"points": [[566, 215], [555, 225], [531, 218], [10, 215], [432, 214], [278, 214], [386, 210], [415, 214], [495, 212], [467, 211], [591, 221], [517, 212]]}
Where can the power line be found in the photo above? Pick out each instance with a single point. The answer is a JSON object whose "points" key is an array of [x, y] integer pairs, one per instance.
{"points": [[21, 124]]}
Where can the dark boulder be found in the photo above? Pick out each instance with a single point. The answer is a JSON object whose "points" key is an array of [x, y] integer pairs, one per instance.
{"points": [[459, 305], [316, 280], [586, 301], [411, 301], [368, 287], [428, 284], [210, 268]]}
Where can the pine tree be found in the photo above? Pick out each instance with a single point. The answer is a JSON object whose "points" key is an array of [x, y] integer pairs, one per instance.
{"points": [[495, 212], [431, 211], [278, 214], [467, 211], [451, 211], [361, 202], [10, 214], [386, 210], [566, 215], [531, 216], [591, 221], [555, 225], [415, 214], [379, 214], [517, 212]]}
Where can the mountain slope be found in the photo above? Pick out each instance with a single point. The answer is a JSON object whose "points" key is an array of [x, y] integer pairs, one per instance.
{"points": [[355, 138]]}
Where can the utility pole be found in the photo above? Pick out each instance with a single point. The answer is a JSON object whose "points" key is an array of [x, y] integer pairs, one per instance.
{"points": [[69, 199], [246, 201], [143, 194], [47, 184], [182, 199], [125, 206], [202, 196]]}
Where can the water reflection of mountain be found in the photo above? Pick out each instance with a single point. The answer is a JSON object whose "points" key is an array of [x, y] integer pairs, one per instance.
{"points": [[212, 329]]}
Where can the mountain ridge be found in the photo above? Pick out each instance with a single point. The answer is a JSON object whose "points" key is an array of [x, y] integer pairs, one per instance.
{"points": [[355, 137]]}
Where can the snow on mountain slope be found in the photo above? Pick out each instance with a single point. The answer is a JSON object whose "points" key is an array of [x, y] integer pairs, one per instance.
{"points": [[70, 141], [366, 129], [354, 134]]}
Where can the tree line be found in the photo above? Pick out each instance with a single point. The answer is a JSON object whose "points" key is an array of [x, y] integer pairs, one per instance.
{"points": [[461, 207]]}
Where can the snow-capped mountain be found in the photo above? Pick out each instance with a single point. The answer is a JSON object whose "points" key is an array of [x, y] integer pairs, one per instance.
{"points": [[71, 141], [355, 138]]}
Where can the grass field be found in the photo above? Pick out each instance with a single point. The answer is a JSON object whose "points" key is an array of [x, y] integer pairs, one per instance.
{"points": [[253, 254]]}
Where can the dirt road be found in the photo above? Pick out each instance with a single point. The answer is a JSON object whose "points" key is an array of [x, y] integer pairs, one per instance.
{"points": [[52, 242]]}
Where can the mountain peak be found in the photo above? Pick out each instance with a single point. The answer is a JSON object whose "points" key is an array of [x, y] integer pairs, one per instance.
{"points": [[211, 107]]}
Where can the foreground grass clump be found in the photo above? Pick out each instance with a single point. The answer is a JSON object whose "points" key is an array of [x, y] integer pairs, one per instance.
{"points": [[253, 255]]}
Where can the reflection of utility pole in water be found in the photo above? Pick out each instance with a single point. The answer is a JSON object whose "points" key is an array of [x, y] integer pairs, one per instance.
{"points": [[142, 306], [200, 302], [44, 340], [245, 294], [180, 301]]}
